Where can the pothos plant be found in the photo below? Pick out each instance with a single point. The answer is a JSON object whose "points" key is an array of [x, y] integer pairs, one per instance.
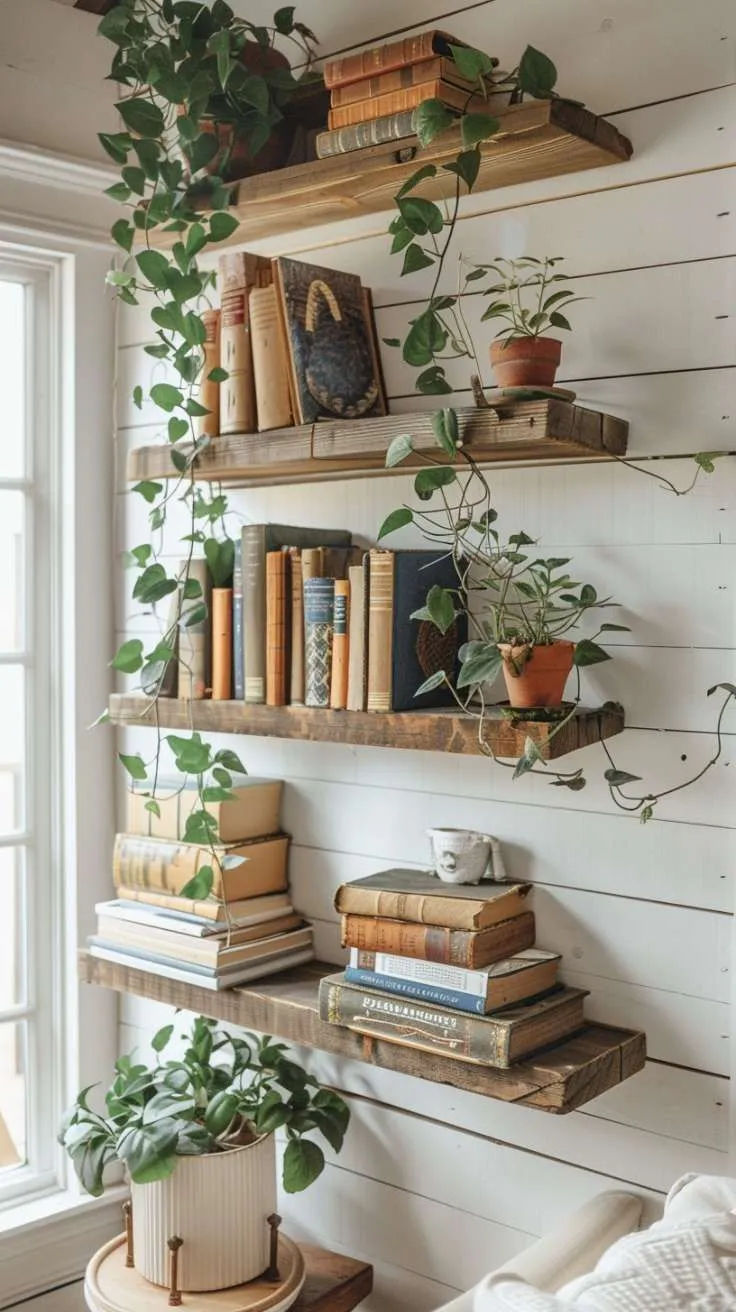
{"points": [[509, 597], [223, 1092], [199, 82]]}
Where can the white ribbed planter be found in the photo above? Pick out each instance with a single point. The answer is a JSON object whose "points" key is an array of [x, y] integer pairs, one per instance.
{"points": [[218, 1204]]}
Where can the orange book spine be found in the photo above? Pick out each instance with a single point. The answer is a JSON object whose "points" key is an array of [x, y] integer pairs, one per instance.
{"points": [[277, 563], [340, 647], [395, 80], [209, 391], [397, 102], [380, 631], [381, 59], [296, 682], [222, 644]]}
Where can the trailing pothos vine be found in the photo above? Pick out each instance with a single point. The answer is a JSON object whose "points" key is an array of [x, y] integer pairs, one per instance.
{"points": [[201, 83], [510, 597]]}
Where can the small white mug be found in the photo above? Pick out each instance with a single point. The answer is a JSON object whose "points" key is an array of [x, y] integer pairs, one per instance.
{"points": [[463, 856]]}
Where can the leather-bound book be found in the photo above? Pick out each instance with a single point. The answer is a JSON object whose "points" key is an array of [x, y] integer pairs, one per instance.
{"points": [[237, 395], [319, 609], [273, 405], [470, 948], [391, 127], [209, 391], [437, 69], [296, 680], [419, 895], [398, 102], [340, 647], [195, 646], [403, 653], [222, 644], [277, 648], [393, 54], [357, 632]]}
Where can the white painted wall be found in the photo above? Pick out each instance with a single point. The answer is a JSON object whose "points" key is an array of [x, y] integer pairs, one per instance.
{"points": [[434, 1185]]}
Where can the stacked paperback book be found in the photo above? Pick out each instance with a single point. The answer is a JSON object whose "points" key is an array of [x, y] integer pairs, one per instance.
{"points": [[375, 92], [313, 620], [448, 968], [247, 928]]}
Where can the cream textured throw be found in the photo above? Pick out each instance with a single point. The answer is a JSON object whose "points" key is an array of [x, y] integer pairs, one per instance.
{"points": [[684, 1263]]}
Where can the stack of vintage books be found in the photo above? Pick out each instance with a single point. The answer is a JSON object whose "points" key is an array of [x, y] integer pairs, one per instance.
{"points": [[246, 928], [375, 92], [448, 968], [313, 620]]}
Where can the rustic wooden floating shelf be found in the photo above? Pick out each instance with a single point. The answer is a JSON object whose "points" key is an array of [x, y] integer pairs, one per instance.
{"points": [[538, 139], [428, 731], [557, 1080], [527, 430]]}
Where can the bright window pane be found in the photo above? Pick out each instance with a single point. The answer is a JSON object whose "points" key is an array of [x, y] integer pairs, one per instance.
{"points": [[12, 922], [12, 379], [12, 555], [13, 1062], [12, 747]]}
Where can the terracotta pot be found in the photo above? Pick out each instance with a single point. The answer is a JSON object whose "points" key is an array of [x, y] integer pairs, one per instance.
{"points": [[241, 163], [526, 361], [536, 676], [218, 1204]]}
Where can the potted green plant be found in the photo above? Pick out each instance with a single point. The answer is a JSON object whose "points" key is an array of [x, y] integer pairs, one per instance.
{"points": [[196, 1136], [525, 296]]}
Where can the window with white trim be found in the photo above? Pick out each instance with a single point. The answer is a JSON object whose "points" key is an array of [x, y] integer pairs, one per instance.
{"points": [[30, 847]]}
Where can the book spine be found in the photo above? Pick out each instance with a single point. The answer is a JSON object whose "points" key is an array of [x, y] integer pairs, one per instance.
{"points": [[209, 392], [238, 689], [413, 1024], [319, 606], [411, 988], [296, 682], [254, 613], [391, 127], [237, 394], [380, 631], [428, 942], [276, 632], [356, 640], [422, 908], [222, 644], [269, 360], [396, 79], [434, 974], [340, 649], [396, 102], [195, 639], [380, 59], [157, 865]]}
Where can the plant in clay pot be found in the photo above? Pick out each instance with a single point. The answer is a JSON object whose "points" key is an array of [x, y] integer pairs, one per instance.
{"points": [[196, 1136], [526, 296]]}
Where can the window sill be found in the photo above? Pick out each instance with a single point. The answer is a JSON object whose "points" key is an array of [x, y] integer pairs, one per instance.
{"points": [[48, 1241]]}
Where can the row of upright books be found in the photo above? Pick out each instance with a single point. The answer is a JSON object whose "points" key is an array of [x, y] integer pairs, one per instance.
{"points": [[245, 929], [311, 619], [375, 92], [297, 342], [448, 969]]}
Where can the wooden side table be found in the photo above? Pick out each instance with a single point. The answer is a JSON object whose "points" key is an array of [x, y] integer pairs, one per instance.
{"points": [[332, 1283]]}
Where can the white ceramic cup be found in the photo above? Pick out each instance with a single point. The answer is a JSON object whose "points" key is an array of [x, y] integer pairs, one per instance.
{"points": [[463, 856]]}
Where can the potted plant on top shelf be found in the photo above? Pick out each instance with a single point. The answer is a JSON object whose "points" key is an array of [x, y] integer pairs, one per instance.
{"points": [[196, 1136]]}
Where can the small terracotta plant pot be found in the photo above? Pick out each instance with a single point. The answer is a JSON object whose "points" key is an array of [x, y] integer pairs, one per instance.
{"points": [[536, 676], [526, 361]]}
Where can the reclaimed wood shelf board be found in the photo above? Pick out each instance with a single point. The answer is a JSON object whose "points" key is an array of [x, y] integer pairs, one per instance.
{"points": [[428, 731], [559, 1079], [525, 430], [537, 139]]}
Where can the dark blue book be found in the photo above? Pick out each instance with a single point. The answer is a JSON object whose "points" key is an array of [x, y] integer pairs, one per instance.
{"points": [[411, 988]]}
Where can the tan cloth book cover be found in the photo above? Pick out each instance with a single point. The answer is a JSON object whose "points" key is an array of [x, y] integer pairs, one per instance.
{"points": [[253, 812], [167, 867]]}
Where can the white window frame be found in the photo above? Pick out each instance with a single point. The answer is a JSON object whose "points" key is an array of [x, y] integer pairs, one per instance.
{"points": [[48, 1229]]}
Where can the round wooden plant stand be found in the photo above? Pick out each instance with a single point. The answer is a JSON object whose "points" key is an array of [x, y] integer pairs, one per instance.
{"points": [[111, 1285]]}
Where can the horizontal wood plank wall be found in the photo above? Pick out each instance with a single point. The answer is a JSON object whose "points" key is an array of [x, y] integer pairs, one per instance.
{"points": [[642, 913]]}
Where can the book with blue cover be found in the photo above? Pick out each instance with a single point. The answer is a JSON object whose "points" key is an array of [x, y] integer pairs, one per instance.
{"points": [[524, 975]]}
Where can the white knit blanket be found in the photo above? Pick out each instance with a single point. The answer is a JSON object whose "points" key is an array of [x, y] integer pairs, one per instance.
{"points": [[684, 1263]]}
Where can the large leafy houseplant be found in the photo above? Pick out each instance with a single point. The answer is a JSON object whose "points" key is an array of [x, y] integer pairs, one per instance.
{"points": [[223, 1092], [199, 85], [515, 604]]}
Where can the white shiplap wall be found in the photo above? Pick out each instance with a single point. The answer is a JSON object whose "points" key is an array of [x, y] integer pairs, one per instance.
{"points": [[436, 1186]]}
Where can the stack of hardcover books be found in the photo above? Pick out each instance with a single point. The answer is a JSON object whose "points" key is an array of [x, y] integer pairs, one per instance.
{"points": [[245, 929], [451, 969], [375, 92]]}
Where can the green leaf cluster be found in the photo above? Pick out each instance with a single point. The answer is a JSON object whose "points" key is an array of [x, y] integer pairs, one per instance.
{"points": [[219, 1091]]}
